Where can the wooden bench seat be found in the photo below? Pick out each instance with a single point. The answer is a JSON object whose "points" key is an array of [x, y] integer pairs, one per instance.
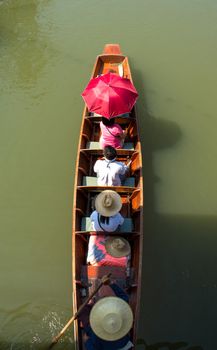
{"points": [[99, 151], [91, 276], [92, 181], [126, 227], [85, 234], [95, 145], [99, 271], [97, 189]]}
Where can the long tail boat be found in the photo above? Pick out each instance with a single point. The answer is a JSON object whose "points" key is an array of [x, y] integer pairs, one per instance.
{"points": [[85, 278]]}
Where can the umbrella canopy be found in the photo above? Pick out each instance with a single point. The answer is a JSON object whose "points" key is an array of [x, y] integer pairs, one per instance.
{"points": [[110, 95]]}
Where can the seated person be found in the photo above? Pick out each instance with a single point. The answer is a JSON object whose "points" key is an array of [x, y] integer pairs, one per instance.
{"points": [[107, 328], [109, 171], [108, 251], [106, 217], [111, 134]]}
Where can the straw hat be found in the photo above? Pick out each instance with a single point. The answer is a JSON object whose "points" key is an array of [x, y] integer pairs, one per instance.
{"points": [[108, 203], [117, 247], [111, 318]]}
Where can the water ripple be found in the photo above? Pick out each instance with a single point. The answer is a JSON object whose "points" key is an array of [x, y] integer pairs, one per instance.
{"points": [[32, 326]]}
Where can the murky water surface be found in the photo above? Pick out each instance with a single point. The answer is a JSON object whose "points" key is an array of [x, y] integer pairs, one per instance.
{"points": [[47, 50]]}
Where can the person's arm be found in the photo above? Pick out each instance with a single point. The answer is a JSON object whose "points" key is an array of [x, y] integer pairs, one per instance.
{"points": [[123, 135], [93, 342], [129, 163], [96, 166], [84, 318], [125, 168], [119, 292], [120, 132], [93, 219], [121, 219]]}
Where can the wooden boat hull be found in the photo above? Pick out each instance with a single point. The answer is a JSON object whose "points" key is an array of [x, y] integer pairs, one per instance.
{"points": [[131, 195]]}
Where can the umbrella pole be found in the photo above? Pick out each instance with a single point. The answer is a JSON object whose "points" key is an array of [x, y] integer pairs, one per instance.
{"points": [[104, 280]]}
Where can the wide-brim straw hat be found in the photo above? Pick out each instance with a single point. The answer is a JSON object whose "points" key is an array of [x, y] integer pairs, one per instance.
{"points": [[108, 203], [111, 318], [117, 247]]}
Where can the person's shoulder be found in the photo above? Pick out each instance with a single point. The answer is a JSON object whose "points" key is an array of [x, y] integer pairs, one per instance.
{"points": [[117, 126], [120, 164], [120, 218], [116, 129], [101, 161], [117, 165], [93, 215], [98, 162], [117, 216]]}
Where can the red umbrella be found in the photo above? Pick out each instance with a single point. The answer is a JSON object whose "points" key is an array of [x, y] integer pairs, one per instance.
{"points": [[110, 95]]}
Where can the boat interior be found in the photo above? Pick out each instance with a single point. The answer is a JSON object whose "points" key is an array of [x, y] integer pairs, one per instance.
{"points": [[88, 277], [112, 63], [91, 132]]}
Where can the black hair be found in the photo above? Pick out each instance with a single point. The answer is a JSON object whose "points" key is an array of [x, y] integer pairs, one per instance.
{"points": [[108, 122], [110, 152]]}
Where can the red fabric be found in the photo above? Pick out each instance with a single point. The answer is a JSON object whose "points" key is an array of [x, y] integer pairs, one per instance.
{"points": [[98, 256], [110, 95]]}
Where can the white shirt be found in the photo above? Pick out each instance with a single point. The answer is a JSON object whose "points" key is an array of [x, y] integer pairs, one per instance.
{"points": [[114, 222], [108, 172]]}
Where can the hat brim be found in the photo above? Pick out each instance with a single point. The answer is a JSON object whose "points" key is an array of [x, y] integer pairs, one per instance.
{"points": [[113, 209], [117, 253], [106, 306]]}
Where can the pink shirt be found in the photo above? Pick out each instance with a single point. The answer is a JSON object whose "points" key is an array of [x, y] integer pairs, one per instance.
{"points": [[111, 139]]}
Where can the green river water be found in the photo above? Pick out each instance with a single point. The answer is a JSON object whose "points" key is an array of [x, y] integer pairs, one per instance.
{"points": [[47, 51]]}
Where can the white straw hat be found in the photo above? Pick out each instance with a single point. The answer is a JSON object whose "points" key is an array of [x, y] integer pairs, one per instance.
{"points": [[108, 203], [111, 318], [117, 247]]}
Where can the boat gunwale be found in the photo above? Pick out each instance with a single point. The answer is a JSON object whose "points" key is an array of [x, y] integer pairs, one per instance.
{"points": [[74, 232]]}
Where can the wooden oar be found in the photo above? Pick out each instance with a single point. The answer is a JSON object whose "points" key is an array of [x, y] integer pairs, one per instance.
{"points": [[104, 280]]}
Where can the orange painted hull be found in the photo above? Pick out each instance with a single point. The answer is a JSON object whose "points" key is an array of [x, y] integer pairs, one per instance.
{"points": [[132, 199]]}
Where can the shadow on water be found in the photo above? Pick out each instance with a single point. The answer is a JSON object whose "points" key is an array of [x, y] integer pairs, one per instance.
{"points": [[179, 286], [167, 345]]}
